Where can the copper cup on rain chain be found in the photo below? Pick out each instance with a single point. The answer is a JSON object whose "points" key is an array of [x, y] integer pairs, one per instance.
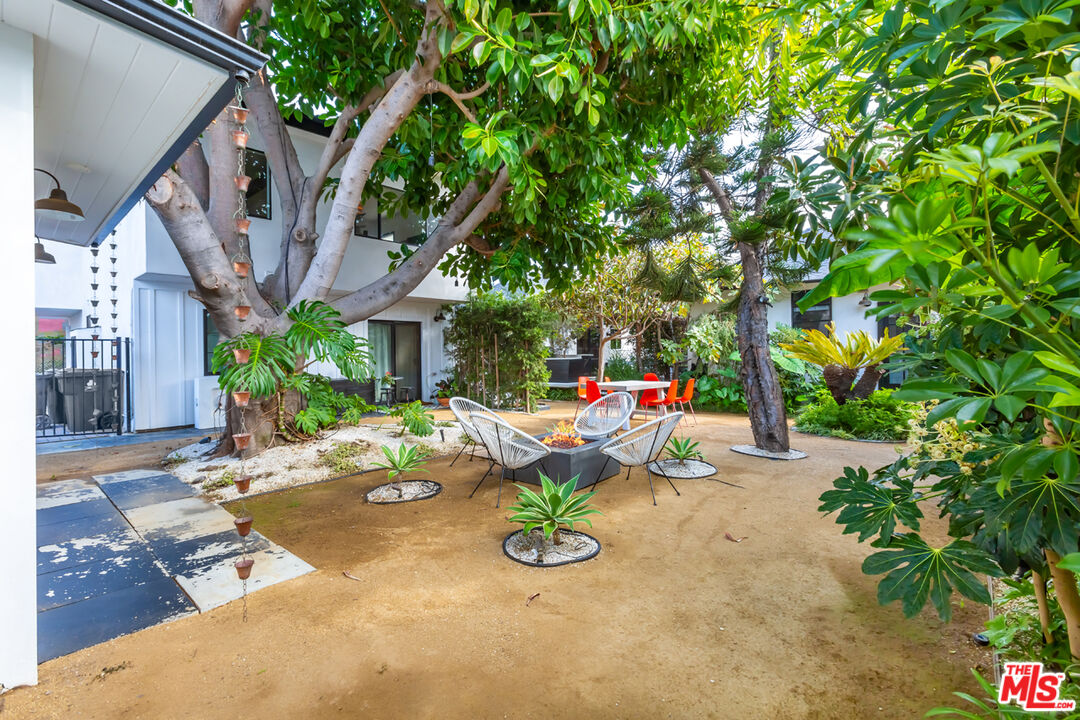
{"points": [[242, 440], [241, 312], [242, 225], [243, 525], [243, 568], [241, 355], [239, 114], [239, 138], [241, 398], [242, 182], [242, 484]]}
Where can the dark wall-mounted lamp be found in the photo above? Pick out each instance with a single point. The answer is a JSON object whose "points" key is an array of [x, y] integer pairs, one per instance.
{"points": [[57, 206], [865, 302], [41, 256], [439, 317]]}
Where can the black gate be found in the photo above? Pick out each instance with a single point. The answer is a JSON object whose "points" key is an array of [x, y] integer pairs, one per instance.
{"points": [[83, 387]]}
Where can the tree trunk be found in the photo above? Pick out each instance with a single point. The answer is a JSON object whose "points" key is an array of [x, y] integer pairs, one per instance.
{"points": [[838, 380], [867, 383], [764, 400], [1038, 582], [1068, 599]]}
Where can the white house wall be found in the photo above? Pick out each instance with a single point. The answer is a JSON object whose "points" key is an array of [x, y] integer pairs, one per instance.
{"points": [[848, 315], [18, 530], [167, 354]]}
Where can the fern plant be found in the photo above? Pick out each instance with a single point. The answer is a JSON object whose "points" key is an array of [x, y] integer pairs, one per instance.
{"points": [[684, 449], [554, 507]]}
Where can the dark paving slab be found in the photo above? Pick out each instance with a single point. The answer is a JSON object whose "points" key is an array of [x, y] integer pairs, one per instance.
{"points": [[136, 566], [61, 555], [189, 556], [76, 511], [80, 527], [146, 491], [68, 628]]}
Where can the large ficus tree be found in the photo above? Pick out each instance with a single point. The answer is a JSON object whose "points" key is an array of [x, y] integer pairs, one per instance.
{"points": [[515, 124]]}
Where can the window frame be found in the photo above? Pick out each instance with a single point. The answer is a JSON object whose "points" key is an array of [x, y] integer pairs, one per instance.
{"points": [[208, 350], [797, 316], [269, 195]]}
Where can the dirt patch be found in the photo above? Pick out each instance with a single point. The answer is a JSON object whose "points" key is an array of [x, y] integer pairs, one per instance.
{"points": [[669, 620]]}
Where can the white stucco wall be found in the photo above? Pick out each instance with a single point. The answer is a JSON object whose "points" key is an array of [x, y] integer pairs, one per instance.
{"points": [[18, 529], [848, 315]]}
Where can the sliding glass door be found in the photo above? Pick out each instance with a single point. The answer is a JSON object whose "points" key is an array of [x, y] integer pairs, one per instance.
{"points": [[396, 349]]}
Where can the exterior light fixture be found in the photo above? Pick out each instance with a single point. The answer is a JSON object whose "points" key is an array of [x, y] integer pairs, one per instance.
{"points": [[41, 256], [57, 206], [865, 302], [439, 317]]}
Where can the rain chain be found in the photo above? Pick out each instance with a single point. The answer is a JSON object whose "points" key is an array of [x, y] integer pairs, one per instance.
{"points": [[93, 319], [241, 263]]}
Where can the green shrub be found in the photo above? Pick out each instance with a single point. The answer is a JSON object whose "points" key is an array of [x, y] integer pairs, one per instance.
{"points": [[619, 368], [878, 417], [342, 458], [561, 394]]}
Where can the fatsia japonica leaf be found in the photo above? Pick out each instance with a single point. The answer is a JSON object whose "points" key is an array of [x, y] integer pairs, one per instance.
{"points": [[915, 572], [1039, 511], [870, 508]]}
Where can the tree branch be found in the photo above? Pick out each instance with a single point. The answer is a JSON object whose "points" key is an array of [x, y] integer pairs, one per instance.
{"points": [[458, 97], [193, 167], [280, 152], [719, 193]]}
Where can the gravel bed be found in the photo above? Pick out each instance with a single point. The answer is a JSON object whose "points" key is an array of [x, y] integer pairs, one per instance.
{"points": [[575, 547], [405, 491], [688, 470]]}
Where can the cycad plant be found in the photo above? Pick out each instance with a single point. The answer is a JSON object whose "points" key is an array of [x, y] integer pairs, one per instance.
{"points": [[554, 507], [842, 359]]}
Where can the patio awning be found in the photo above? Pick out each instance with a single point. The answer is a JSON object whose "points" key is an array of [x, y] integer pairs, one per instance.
{"points": [[121, 88]]}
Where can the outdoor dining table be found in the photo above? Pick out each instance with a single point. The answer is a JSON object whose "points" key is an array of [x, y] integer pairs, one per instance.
{"points": [[634, 387]]}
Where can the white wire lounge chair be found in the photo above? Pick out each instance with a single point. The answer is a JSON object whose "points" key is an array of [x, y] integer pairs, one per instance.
{"points": [[462, 408], [604, 417], [641, 446], [509, 447]]}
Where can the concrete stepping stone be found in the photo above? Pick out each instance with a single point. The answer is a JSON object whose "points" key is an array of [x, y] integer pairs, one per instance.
{"points": [[73, 512], [82, 582], [179, 520], [126, 475], [137, 492], [214, 585], [189, 556], [107, 521], [72, 627], [60, 555], [67, 492]]}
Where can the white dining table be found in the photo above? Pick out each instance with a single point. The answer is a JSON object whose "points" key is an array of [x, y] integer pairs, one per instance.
{"points": [[634, 387]]}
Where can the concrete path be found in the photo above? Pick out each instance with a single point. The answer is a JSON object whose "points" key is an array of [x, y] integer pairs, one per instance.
{"points": [[121, 552]]}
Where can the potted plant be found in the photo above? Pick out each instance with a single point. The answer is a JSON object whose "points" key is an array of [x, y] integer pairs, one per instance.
{"points": [[551, 510], [407, 459], [444, 390]]}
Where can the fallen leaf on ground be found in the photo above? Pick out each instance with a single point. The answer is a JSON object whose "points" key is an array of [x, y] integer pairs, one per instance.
{"points": [[734, 539], [531, 598], [351, 577]]}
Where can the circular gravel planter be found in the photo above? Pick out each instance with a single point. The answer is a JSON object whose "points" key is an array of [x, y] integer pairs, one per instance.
{"points": [[758, 452], [575, 547], [689, 470], [411, 490]]}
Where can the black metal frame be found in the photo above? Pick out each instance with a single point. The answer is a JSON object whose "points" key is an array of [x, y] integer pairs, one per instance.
{"points": [[655, 455], [393, 352], [91, 377]]}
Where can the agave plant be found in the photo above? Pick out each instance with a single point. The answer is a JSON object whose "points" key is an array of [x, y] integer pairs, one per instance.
{"points": [[553, 507], [842, 359], [406, 460], [683, 450]]}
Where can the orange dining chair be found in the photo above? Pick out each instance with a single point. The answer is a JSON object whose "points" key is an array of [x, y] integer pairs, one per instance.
{"points": [[664, 402], [592, 392], [686, 399], [581, 393], [648, 397]]}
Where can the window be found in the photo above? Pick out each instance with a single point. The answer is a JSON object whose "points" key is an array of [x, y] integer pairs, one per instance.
{"points": [[211, 337], [380, 222], [888, 322], [258, 194], [815, 318]]}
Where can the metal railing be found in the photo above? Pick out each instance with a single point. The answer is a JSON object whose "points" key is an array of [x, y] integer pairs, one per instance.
{"points": [[83, 387]]}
